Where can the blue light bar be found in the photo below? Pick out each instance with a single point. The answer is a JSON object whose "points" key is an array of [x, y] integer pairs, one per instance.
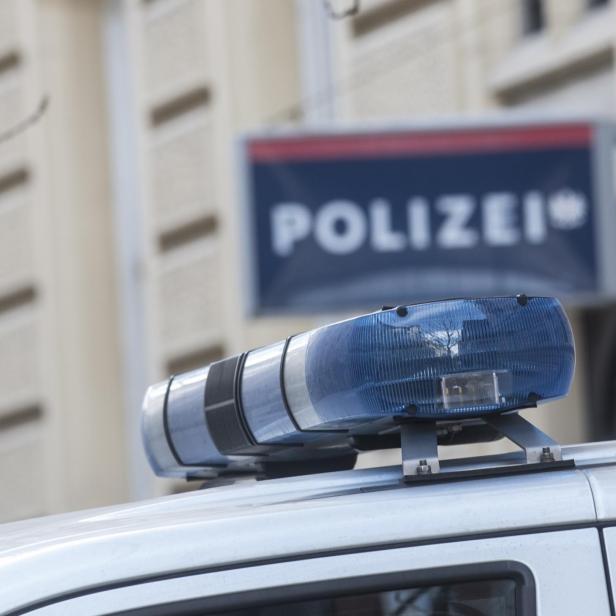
{"points": [[442, 361]]}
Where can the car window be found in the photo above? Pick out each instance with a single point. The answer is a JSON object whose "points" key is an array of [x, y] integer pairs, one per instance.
{"points": [[478, 598]]}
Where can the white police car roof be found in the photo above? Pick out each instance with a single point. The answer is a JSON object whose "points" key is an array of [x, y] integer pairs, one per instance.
{"points": [[47, 558]]}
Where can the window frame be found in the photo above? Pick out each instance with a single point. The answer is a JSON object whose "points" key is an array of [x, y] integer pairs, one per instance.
{"points": [[530, 25], [519, 573]]}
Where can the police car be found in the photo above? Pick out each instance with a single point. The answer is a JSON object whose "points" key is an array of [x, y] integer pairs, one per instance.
{"points": [[284, 525]]}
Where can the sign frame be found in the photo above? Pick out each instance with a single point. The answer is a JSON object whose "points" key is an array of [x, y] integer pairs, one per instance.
{"points": [[603, 170]]}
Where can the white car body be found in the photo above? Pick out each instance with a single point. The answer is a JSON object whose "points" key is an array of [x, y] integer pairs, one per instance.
{"points": [[232, 546]]}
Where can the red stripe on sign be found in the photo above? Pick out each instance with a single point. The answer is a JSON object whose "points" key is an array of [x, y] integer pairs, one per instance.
{"points": [[419, 143]]}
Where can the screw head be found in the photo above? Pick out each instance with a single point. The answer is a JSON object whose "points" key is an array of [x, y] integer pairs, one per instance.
{"points": [[522, 299], [424, 468], [411, 409], [546, 455], [402, 311]]}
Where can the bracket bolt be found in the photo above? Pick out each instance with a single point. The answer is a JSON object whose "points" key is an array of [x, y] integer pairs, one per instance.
{"points": [[546, 455], [402, 311], [424, 468]]}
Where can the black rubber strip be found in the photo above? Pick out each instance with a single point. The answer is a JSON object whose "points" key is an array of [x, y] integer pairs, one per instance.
{"points": [[606, 569]]}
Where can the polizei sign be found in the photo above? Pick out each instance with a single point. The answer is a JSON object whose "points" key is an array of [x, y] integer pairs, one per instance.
{"points": [[356, 220]]}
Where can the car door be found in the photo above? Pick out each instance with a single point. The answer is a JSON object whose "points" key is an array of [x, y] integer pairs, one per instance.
{"points": [[602, 481], [546, 572]]}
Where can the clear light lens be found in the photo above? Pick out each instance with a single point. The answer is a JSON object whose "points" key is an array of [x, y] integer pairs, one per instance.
{"points": [[186, 420], [475, 388], [262, 400]]}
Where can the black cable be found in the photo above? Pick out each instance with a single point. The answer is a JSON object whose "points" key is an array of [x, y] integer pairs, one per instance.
{"points": [[33, 118]]}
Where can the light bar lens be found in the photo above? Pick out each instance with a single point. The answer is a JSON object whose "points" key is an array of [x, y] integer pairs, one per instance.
{"points": [[186, 421], [505, 354], [262, 397], [448, 360]]}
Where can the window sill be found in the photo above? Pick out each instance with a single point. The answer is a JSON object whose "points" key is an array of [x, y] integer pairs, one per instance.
{"points": [[544, 56]]}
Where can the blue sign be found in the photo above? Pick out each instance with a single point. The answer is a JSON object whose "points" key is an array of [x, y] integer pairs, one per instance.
{"points": [[357, 220]]}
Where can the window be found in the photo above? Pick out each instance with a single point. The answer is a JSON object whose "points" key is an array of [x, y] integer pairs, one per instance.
{"points": [[479, 598], [498, 588], [533, 17]]}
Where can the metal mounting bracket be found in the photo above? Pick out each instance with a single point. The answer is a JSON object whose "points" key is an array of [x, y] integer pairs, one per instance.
{"points": [[420, 462], [419, 449], [537, 445]]}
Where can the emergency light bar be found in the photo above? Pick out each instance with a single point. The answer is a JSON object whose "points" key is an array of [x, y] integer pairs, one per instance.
{"points": [[318, 393]]}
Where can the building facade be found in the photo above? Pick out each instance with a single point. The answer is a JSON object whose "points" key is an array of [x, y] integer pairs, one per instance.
{"points": [[120, 231]]}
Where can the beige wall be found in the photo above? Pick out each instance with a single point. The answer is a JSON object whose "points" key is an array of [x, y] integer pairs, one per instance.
{"points": [[61, 443], [227, 74], [200, 72]]}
